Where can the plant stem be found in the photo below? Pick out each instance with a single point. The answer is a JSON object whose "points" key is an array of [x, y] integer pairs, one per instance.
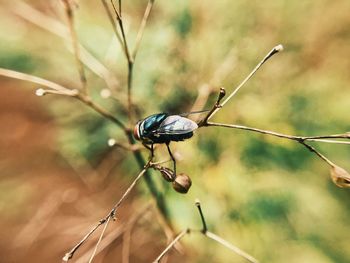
{"points": [[298, 139], [274, 51], [176, 239], [142, 27]]}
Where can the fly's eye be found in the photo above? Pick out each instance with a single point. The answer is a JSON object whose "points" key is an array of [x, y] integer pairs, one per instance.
{"points": [[136, 132]]}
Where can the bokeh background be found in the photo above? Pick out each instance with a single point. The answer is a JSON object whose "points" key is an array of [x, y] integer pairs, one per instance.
{"points": [[268, 196]]}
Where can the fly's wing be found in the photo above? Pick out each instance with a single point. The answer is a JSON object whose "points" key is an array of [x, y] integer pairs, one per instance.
{"points": [[176, 124], [192, 112]]}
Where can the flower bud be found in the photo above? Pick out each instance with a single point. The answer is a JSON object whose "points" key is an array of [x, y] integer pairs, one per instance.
{"points": [[182, 183]]}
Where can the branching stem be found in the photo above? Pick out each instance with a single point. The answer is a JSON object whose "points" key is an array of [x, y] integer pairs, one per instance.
{"points": [[299, 139], [274, 51], [111, 215], [172, 244], [111, 19], [99, 240], [208, 234], [142, 27], [87, 100]]}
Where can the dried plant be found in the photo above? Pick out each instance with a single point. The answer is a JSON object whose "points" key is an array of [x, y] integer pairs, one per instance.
{"points": [[181, 182]]}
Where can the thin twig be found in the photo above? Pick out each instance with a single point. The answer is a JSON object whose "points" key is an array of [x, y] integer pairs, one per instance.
{"points": [[70, 254], [332, 136], [313, 150], [274, 51], [87, 100], [109, 238], [129, 58], [246, 128], [115, 208], [216, 106], [122, 30], [219, 239], [57, 28], [40, 81], [208, 234], [176, 239], [112, 21], [75, 43], [99, 240], [130, 77], [326, 141], [110, 215], [142, 27], [62, 91], [233, 248], [298, 139], [198, 204]]}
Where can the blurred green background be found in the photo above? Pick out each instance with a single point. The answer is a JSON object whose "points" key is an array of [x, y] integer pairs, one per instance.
{"points": [[268, 196]]}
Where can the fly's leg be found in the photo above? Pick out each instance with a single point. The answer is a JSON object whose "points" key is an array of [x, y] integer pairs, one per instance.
{"points": [[172, 158], [151, 149]]}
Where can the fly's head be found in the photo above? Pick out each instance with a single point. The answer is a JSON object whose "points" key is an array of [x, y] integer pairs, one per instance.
{"points": [[137, 135]]}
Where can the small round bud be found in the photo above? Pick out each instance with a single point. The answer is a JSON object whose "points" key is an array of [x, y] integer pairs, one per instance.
{"points": [[197, 202], [279, 48], [40, 92], [182, 183], [105, 93], [111, 142]]}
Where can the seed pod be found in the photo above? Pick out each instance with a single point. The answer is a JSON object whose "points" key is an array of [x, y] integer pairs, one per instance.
{"points": [[340, 176], [182, 183], [167, 173]]}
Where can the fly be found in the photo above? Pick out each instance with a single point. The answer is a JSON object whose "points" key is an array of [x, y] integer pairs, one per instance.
{"points": [[165, 128]]}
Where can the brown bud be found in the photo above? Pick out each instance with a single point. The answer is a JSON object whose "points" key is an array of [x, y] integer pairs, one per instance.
{"points": [[182, 183], [167, 173], [340, 176]]}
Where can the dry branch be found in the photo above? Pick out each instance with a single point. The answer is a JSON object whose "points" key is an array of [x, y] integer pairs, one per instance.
{"points": [[112, 236], [341, 179], [273, 51], [106, 219], [172, 244], [208, 234], [142, 27], [37, 80], [57, 28]]}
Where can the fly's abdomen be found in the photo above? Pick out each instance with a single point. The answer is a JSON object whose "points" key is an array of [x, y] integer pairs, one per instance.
{"points": [[166, 138]]}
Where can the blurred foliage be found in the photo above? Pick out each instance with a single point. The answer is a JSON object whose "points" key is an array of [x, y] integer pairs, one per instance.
{"points": [[270, 197]]}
